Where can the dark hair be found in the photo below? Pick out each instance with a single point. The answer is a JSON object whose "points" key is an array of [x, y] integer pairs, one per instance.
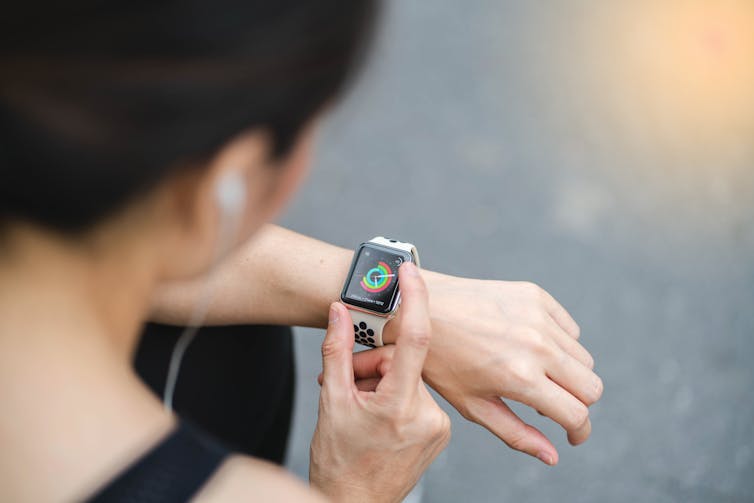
{"points": [[99, 100]]}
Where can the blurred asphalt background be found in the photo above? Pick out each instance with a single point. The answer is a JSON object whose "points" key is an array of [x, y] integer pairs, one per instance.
{"points": [[530, 140]]}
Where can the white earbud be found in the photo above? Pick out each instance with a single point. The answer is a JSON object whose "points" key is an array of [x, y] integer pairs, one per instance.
{"points": [[231, 193]]}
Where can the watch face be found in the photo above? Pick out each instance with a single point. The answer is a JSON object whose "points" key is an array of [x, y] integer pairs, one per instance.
{"points": [[373, 281]]}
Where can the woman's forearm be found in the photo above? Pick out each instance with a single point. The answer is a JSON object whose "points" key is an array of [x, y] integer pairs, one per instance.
{"points": [[279, 277], [286, 278]]}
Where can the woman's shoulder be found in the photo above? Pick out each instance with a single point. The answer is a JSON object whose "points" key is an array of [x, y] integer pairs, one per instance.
{"points": [[241, 478]]}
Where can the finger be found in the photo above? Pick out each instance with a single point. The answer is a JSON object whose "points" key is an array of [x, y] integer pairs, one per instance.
{"points": [[569, 344], [337, 352], [561, 316], [413, 333], [575, 378], [369, 384], [497, 417], [563, 408], [371, 363], [581, 435]]}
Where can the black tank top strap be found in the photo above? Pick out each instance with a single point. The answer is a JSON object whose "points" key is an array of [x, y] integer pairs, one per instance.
{"points": [[173, 471]]}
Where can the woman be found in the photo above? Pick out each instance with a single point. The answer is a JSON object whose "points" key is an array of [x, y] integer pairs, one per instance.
{"points": [[141, 143]]}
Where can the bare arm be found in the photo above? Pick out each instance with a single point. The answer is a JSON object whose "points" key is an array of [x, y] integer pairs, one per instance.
{"points": [[490, 339], [279, 277], [241, 478]]}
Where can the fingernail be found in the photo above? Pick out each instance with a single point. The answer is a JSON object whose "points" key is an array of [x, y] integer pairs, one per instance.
{"points": [[598, 386], [545, 458], [334, 316], [410, 268]]}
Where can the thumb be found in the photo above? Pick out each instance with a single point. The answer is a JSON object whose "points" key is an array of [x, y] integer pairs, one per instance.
{"points": [[337, 351]]}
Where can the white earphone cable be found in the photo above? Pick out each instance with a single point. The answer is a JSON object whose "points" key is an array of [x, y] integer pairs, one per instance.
{"points": [[227, 230]]}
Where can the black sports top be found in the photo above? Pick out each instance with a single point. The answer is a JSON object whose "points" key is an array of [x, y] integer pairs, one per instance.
{"points": [[173, 471]]}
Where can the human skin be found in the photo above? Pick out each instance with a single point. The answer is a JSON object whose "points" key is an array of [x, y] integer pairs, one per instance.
{"points": [[490, 339], [75, 414], [392, 427]]}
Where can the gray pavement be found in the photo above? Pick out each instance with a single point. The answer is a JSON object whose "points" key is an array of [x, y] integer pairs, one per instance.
{"points": [[537, 133]]}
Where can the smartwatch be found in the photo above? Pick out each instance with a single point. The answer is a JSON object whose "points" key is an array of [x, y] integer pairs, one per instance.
{"points": [[371, 289]]}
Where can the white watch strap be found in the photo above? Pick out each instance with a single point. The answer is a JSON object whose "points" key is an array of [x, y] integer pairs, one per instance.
{"points": [[368, 327]]}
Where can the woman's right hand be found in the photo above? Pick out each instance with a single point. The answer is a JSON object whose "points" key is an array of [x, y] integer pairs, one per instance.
{"points": [[373, 441]]}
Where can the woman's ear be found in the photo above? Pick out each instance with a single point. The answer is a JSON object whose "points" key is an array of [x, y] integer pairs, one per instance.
{"points": [[216, 206], [206, 201]]}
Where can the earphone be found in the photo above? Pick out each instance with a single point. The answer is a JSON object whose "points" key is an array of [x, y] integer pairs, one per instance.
{"points": [[231, 198], [230, 194]]}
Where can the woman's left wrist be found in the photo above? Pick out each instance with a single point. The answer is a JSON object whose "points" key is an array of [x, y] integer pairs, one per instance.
{"points": [[433, 280]]}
